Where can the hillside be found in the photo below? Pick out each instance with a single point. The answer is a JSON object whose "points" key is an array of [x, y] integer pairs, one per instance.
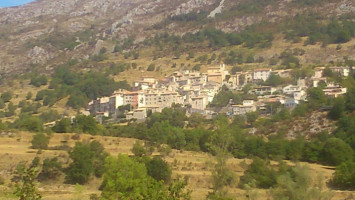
{"points": [[43, 34], [178, 100], [15, 148]]}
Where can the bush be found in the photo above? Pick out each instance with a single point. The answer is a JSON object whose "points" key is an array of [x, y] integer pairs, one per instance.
{"points": [[38, 81], [62, 126], [51, 169], [259, 174], [88, 159], [158, 169], [336, 151], [29, 123], [40, 141], [81, 168], [151, 67], [138, 149], [344, 176], [6, 96]]}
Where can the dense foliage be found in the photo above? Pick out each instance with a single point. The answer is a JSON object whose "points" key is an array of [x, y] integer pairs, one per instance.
{"points": [[88, 159]]}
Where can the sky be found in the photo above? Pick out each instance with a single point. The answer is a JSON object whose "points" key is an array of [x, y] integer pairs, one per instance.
{"points": [[8, 3]]}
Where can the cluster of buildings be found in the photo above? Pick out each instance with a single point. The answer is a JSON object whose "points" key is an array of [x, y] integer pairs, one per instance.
{"points": [[195, 90]]}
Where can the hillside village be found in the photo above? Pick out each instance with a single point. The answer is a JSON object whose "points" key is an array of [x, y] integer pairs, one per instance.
{"points": [[195, 91]]}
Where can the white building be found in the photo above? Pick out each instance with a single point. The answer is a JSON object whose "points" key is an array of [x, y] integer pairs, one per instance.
{"points": [[261, 74]]}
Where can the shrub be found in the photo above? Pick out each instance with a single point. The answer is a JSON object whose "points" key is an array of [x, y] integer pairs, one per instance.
{"points": [[138, 149], [6, 96], [29, 123], [344, 176], [62, 126], [38, 81], [40, 141], [158, 169], [51, 169], [336, 151], [151, 67]]}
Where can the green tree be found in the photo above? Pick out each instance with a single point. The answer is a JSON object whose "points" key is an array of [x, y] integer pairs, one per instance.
{"points": [[338, 108], [2, 104], [336, 151], [25, 188], [6, 96], [344, 176], [86, 124], [274, 80], [316, 97], [176, 191], [158, 169], [62, 126], [40, 141], [259, 174], [99, 156], [38, 81], [298, 185], [29, 123], [138, 149], [29, 95], [252, 117], [125, 178], [151, 67], [81, 167], [51, 169]]}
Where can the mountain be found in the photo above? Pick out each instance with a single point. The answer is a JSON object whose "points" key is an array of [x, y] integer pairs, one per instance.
{"points": [[44, 33]]}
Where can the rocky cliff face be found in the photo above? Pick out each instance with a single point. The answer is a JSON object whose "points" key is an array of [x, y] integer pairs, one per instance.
{"points": [[29, 34], [22, 26]]}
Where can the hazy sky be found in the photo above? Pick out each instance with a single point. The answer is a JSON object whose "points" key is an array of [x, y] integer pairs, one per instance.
{"points": [[8, 3]]}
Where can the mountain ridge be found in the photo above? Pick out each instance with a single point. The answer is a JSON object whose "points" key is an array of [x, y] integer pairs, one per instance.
{"points": [[27, 32]]}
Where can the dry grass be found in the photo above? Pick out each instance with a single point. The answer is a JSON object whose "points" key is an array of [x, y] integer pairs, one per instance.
{"points": [[195, 166]]}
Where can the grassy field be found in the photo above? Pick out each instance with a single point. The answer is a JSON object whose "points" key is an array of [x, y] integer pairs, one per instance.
{"points": [[16, 147]]}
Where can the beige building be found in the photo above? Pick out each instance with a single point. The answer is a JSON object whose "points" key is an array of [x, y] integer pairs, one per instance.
{"points": [[199, 102], [217, 74]]}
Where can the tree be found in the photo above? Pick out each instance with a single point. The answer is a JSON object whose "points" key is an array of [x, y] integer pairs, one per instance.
{"points": [[274, 80], [6, 96], [338, 109], [29, 96], [316, 97], [151, 67], [222, 176], [176, 191], [158, 169], [29, 123], [86, 124], [259, 174], [336, 151], [125, 178], [25, 188], [252, 117], [138, 149], [51, 169], [88, 159], [77, 100], [38, 81], [344, 176], [40, 141], [62, 126], [99, 156], [298, 185], [327, 72], [2, 104], [81, 168]]}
